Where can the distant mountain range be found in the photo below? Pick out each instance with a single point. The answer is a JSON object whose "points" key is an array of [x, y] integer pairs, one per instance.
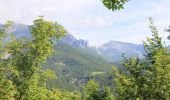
{"points": [[111, 51], [21, 30]]}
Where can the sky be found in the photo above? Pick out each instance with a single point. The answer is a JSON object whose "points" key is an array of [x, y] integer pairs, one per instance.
{"points": [[90, 20]]}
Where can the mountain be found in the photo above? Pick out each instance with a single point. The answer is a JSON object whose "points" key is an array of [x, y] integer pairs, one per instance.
{"points": [[71, 40], [110, 51], [21, 30], [113, 50], [1, 25]]}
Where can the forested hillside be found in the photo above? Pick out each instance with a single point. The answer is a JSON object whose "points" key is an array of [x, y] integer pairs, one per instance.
{"points": [[73, 66]]}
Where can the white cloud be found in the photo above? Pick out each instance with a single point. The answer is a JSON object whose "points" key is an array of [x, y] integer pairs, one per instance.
{"points": [[24, 11], [89, 19]]}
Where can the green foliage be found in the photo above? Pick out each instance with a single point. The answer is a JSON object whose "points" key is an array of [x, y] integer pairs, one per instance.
{"points": [[153, 45], [27, 57], [73, 67], [145, 79], [57, 94], [128, 79], [92, 91], [42, 93], [158, 66], [7, 90], [22, 77], [114, 4]]}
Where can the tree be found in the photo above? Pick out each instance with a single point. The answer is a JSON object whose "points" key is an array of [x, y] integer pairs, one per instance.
{"points": [[153, 45], [157, 66], [114, 4], [27, 56], [148, 78], [92, 91], [57, 94], [128, 79], [7, 90]]}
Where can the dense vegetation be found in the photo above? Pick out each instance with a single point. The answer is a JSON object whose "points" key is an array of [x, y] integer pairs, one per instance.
{"points": [[145, 79]]}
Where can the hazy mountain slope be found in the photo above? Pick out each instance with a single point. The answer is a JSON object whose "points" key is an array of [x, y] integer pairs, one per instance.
{"points": [[1, 25], [20, 30], [113, 50]]}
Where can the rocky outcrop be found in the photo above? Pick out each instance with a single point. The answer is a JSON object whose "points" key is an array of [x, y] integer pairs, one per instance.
{"points": [[71, 40]]}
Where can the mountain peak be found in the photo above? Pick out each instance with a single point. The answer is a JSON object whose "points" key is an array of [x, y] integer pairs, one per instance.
{"points": [[71, 40], [113, 50], [21, 30]]}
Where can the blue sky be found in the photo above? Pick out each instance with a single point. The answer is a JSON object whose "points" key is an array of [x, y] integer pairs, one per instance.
{"points": [[90, 20]]}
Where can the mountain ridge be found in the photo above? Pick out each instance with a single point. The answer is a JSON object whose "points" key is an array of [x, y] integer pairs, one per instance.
{"points": [[111, 51], [22, 31]]}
